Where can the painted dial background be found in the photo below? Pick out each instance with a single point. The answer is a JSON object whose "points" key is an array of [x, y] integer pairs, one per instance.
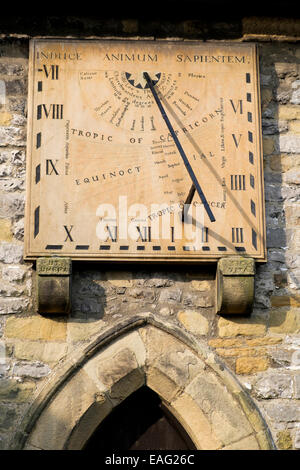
{"points": [[96, 135]]}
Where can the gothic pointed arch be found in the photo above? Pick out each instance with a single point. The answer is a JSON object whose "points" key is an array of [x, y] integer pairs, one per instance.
{"points": [[193, 384]]}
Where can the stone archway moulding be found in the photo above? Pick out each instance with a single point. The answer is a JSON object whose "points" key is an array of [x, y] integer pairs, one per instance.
{"points": [[193, 383]]}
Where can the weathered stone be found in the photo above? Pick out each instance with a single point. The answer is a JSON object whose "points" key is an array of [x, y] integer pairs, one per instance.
{"points": [[49, 353], [297, 439], [12, 136], [13, 273], [288, 112], [285, 300], [162, 384], [248, 443], [226, 343], [11, 253], [254, 326], [5, 230], [251, 365], [282, 412], [297, 386], [181, 367], [13, 305], [266, 341], [284, 440], [63, 414], [7, 416], [289, 143], [202, 286], [31, 369], [83, 330], [227, 423], [283, 320], [13, 391], [196, 423], [170, 295], [268, 145], [274, 385], [5, 119], [194, 322], [36, 328], [239, 352], [120, 278], [192, 299]]}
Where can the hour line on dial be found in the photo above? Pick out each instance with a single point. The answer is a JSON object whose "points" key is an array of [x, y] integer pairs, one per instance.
{"points": [[180, 149]]}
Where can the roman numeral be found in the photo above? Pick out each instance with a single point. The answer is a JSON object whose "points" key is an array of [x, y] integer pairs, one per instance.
{"points": [[144, 234], [68, 230], [238, 182], [238, 105], [53, 111], [112, 233], [236, 141], [51, 71], [50, 167], [237, 235]]}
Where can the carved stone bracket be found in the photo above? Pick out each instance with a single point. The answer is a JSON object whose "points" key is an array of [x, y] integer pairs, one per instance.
{"points": [[235, 285], [54, 285]]}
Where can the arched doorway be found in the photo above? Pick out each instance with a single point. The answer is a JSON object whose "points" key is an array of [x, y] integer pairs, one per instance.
{"points": [[140, 422], [198, 393]]}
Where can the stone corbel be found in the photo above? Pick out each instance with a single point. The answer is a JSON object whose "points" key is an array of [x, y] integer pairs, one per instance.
{"points": [[54, 277], [235, 285]]}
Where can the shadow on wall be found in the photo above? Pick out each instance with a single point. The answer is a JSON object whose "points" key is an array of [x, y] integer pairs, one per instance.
{"points": [[277, 282]]}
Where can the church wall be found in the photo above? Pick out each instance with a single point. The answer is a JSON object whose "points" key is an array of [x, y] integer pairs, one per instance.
{"points": [[263, 350]]}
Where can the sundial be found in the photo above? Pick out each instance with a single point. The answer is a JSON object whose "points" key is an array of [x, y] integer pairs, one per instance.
{"points": [[144, 151]]}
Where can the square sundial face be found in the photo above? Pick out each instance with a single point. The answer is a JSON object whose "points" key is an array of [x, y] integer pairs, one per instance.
{"points": [[106, 179]]}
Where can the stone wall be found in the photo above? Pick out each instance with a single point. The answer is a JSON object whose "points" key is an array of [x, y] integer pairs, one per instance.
{"points": [[262, 350]]}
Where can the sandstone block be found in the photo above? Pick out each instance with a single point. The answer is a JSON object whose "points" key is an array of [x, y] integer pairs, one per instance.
{"points": [[64, 412], [49, 353], [202, 286], [285, 300], [253, 326], [226, 343], [163, 385], [181, 367], [36, 328], [249, 443], [284, 440], [195, 423], [228, 422], [239, 352], [194, 322], [283, 320], [297, 386], [288, 112], [119, 278], [251, 365], [294, 127], [83, 330], [297, 439], [5, 119]]}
